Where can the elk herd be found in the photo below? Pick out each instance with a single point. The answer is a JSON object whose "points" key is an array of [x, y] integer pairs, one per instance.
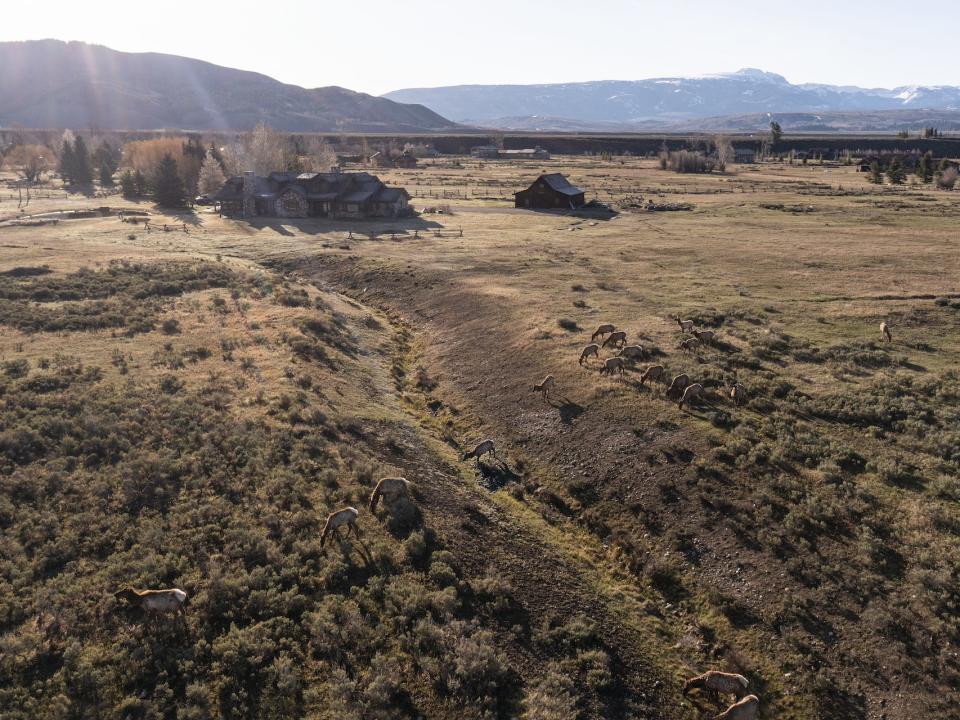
{"points": [[680, 388]]}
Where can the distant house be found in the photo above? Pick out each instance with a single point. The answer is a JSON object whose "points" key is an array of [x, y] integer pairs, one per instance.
{"points": [[490, 152], [333, 194], [744, 155], [537, 153], [549, 191], [393, 159]]}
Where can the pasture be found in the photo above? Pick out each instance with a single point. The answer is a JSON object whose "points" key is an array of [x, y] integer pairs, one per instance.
{"points": [[185, 408]]}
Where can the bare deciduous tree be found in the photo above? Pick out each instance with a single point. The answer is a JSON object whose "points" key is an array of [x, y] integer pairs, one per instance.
{"points": [[211, 175], [30, 161], [724, 152]]}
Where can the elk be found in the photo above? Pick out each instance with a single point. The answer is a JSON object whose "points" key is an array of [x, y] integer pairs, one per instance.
{"points": [[335, 520], [652, 372], [545, 385], [685, 325], [716, 682], [737, 393], [155, 601], [390, 488], [612, 365], [885, 331], [678, 385], [689, 393], [631, 352], [602, 330], [589, 350], [483, 448], [745, 709], [704, 336], [618, 338], [689, 344]]}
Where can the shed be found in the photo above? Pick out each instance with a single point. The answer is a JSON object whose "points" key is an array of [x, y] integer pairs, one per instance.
{"points": [[549, 191]]}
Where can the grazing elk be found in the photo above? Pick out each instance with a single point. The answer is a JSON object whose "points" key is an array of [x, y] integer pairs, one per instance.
{"points": [[716, 682], [689, 344], [745, 709], [704, 336], [612, 365], [738, 393], [631, 352], [885, 331], [689, 393], [678, 385], [589, 350], [482, 448], [617, 338], [389, 488], [174, 600], [602, 330], [685, 325], [335, 520], [545, 386], [652, 372]]}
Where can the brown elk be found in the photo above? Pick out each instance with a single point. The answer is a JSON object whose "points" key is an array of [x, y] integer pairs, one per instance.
{"points": [[589, 350], [389, 488], [602, 330], [617, 338]]}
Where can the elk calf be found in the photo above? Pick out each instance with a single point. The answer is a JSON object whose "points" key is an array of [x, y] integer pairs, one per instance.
{"points": [[335, 520], [545, 386]]}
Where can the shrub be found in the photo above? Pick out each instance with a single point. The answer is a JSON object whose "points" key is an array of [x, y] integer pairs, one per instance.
{"points": [[568, 324]]}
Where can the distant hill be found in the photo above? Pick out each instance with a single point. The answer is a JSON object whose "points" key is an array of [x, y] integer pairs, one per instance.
{"points": [[659, 102], [54, 84]]}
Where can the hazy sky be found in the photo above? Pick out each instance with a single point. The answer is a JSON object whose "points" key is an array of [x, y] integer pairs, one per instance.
{"points": [[380, 45]]}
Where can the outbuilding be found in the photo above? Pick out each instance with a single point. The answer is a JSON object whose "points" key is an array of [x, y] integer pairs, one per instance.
{"points": [[551, 191]]}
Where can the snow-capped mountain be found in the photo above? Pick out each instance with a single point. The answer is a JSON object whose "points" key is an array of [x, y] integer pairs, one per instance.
{"points": [[668, 99]]}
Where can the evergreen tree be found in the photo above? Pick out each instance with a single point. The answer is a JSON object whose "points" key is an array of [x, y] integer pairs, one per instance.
{"points": [[925, 167], [139, 184], [82, 171], [211, 175], [876, 173], [943, 165], [106, 175], [776, 132], [895, 172], [167, 185], [127, 185], [67, 164]]}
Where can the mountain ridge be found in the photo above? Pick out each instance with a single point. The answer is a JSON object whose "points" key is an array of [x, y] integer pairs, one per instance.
{"points": [[53, 84], [666, 99]]}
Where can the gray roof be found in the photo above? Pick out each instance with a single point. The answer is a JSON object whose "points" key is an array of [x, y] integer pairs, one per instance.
{"points": [[357, 187], [560, 184]]}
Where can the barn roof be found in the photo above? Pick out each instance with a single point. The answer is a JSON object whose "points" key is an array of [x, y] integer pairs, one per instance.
{"points": [[558, 183]]}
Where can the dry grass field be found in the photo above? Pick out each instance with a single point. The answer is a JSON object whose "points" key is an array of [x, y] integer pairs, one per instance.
{"points": [[184, 408]]}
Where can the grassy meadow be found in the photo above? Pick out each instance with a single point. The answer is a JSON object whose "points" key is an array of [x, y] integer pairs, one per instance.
{"points": [[183, 409]]}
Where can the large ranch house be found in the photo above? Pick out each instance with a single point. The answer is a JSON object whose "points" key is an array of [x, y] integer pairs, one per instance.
{"points": [[332, 194]]}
